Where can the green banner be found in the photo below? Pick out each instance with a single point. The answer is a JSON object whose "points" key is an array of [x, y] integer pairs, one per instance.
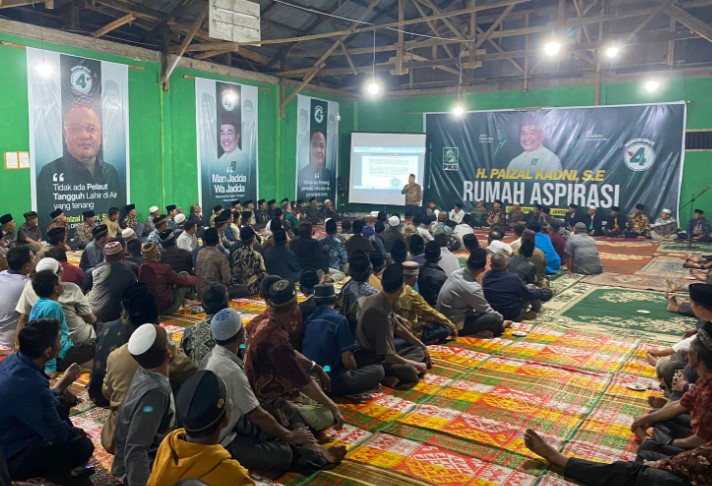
{"points": [[600, 156]]}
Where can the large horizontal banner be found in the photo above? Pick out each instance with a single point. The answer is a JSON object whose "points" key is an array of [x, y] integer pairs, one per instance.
{"points": [[226, 122], [601, 156], [317, 147], [79, 135]]}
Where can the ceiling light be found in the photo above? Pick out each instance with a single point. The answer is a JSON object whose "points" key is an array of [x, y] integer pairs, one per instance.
{"points": [[552, 48], [652, 85], [458, 110], [373, 88], [612, 51]]}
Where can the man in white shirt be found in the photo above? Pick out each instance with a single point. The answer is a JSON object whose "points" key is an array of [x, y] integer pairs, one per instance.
{"points": [[463, 228], [448, 261], [20, 264], [77, 311], [462, 300], [496, 245], [419, 221], [535, 156], [457, 213], [253, 436], [187, 239]]}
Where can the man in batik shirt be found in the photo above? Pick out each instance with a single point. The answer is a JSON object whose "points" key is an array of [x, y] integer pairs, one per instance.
{"points": [[698, 229], [130, 220], [83, 233], [59, 220], [638, 223], [247, 266], [8, 239], [496, 215]]}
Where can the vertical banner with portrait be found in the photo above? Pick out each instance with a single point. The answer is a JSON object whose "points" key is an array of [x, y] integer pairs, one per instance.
{"points": [[317, 148], [226, 122], [79, 135]]}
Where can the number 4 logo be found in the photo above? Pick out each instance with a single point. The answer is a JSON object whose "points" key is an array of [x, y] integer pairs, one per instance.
{"points": [[639, 154]]}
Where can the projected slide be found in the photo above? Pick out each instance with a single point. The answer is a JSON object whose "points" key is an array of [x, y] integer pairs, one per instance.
{"points": [[381, 164]]}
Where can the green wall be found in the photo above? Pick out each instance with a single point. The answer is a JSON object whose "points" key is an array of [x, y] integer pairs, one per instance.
{"points": [[406, 115], [163, 132], [145, 133], [162, 129]]}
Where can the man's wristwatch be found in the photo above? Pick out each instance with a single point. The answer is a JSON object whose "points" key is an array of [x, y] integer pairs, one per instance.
{"points": [[313, 365]]}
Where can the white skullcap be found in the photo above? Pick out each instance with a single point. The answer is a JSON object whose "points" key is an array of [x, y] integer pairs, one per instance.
{"points": [[515, 203], [394, 221], [667, 211], [498, 246], [327, 201], [592, 207], [153, 209], [180, 218], [128, 234], [47, 264], [226, 324], [142, 339]]}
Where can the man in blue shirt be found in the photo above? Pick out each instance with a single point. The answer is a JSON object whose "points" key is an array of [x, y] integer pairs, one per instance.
{"points": [[328, 342], [36, 436], [48, 288], [508, 295], [543, 242]]}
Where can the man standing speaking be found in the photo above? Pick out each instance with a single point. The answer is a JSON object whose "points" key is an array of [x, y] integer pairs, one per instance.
{"points": [[413, 196]]}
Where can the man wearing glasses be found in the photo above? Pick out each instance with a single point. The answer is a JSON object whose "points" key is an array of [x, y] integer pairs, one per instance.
{"points": [[81, 163]]}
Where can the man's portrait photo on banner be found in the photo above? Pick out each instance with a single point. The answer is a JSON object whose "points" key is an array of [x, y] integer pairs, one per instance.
{"points": [[535, 156], [232, 159], [85, 175], [316, 179]]}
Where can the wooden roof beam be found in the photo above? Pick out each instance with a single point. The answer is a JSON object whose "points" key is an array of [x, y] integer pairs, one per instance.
{"points": [[498, 34], [493, 56], [320, 64], [184, 45], [126, 19], [689, 20], [349, 32], [22, 3]]}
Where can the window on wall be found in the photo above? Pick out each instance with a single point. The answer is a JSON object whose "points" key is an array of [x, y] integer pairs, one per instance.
{"points": [[698, 140]]}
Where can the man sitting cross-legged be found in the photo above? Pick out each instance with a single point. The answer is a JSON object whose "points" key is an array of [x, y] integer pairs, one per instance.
{"points": [[36, 436], [256, 439], [428, 325], [378, 325], [148, 413], [665, 458], [172, 290], [328, 341], [139, 307], [462, 300], [194, 453], [508, 295], [276, 371], [197, 341]]}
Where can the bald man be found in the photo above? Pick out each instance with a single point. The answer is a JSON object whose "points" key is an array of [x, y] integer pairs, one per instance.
{"points": [[81, 163], [535, 155]]}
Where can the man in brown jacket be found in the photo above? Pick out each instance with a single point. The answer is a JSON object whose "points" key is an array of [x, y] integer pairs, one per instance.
{"points": [[171, 289]]}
